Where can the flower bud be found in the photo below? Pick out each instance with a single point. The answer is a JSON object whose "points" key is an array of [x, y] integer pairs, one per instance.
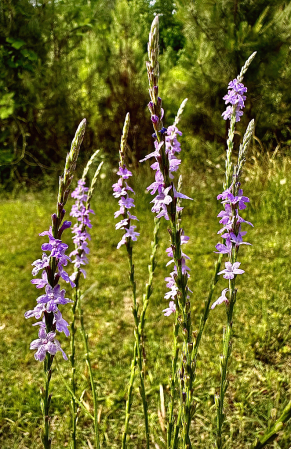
{"points": [[151, 107]]}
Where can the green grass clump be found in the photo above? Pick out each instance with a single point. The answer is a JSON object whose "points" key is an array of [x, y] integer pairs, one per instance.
{"points": [[260, 368]]}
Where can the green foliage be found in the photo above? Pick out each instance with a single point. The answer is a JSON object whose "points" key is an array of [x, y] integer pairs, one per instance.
{"points": [[220, 36], [61, 61]]}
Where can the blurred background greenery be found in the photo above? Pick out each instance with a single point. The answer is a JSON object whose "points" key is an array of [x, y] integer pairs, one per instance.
{"points": [[62, 60]]}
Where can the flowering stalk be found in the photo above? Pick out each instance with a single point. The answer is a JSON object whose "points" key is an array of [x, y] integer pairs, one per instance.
{"points": [[149, 290], [79, 205], [52, 266], [81, 210], [233, 201], [165, 205], [235, 97], [121, 190], [241, 159]]}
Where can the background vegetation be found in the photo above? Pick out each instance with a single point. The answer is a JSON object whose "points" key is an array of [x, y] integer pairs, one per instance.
{"points": [[260, 374], [61, 61]]}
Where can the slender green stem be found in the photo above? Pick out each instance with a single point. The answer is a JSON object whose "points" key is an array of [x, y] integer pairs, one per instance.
{"points": [[187, 365], [88, 362], [149, 289], [172, 386], [138, 354], [78, 401], [228, 163], [224, 358], [207, 307], [73, 381], [177, 428], [129, 395], [45, 400]]}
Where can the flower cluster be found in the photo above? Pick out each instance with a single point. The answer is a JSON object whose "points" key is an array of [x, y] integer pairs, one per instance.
{"points": [[120, 190], [231, 232], [52, 266], [163, 198], [81, 211], [236, 98]]}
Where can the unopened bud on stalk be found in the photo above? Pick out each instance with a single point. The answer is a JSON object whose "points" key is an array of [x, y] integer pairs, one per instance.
{"points": [[89, 163], [151, 107], [243, 149], [245, 67], [153, 45], [124, 138], [74, 152], [71, 161]]}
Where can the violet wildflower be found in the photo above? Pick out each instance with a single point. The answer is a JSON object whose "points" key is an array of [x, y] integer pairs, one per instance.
{"points": [[236, 98], [233, 202], [46, 343], [221, 299], [81, 210], [166, 204], [122, 190], [171, 309], [52, 264]]}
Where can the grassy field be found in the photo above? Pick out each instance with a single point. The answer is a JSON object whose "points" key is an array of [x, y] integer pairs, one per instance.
{"points": [[260, 369]]}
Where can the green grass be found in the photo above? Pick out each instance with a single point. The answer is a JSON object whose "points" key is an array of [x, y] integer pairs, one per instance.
{"points": [[260, 369]]}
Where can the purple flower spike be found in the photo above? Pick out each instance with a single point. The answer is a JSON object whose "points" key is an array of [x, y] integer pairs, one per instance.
{"points": [[167, 199], [81, 211], [125, 202], [48, 303], [232, 200], [236, 98]]}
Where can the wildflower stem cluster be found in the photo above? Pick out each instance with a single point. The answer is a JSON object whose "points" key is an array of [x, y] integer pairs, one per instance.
{"points": [[52, 267], [81, 210], [233, 201], [165, 205], [121, 190]]}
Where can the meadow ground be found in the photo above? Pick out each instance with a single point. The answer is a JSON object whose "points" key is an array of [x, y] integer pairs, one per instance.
{"points": [[260, 369]]}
